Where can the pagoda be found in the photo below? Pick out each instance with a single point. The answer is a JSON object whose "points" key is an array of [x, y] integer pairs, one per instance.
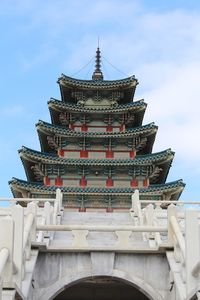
{"points": [[96, 149]]}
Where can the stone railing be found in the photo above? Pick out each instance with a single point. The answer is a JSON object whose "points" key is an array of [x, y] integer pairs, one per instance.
{"points": [[18, 232], [162, 226]]}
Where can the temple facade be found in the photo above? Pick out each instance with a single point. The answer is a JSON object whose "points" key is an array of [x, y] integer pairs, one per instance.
{"points": [[96, 148]]}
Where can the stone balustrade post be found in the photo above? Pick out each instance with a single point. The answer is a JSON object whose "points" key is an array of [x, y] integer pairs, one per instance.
{"points": [[32, 209], [135, 203], [192, 243], [59, 198], [149, 218], [18, 257], [6, 244], [136, 208], [30, 225], [47, 212], [171, 211]]}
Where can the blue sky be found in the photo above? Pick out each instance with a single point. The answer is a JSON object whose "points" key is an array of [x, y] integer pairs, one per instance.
{"points": [[157, 41]]}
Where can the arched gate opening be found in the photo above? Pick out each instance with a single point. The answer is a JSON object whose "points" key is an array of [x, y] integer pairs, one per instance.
{"points": [[101, 288]]}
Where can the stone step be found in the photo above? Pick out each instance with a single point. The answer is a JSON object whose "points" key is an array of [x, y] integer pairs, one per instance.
{"points": [[97, 218]]}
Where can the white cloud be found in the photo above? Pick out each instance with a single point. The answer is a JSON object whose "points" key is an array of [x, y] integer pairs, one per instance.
{"points": [[174, 104]]}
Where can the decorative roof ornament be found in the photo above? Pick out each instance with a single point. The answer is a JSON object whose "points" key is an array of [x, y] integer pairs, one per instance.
{"points": [[97, 74]]}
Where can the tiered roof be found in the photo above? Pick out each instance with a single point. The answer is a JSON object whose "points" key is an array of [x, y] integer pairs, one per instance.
{"points": [[33, 155], [175, 188], [137, 109], [126, 85], [97, 100], [162, 160], [60, 106], [46, 129]]}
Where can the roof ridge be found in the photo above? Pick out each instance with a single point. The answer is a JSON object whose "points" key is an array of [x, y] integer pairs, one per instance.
{"points": [[63, 76]]}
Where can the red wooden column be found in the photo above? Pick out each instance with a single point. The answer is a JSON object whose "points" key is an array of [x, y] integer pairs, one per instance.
{"points": [[84, 128], [58, 181], [109, 209], [109, 151], [83, 154], [82, 209], [122, 128], [134, 183], [109, 128], [109, 154], [132, 154], [61, 153], [83, 182], [46, 181], [146, 182], [109, 182]]}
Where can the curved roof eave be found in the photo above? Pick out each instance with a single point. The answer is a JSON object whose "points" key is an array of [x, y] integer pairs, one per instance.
{"points": [[48, 128], [177, 186], [60, 105], [36, 156], [67, 81]]}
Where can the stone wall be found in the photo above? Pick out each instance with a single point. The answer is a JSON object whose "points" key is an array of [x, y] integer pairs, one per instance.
{"points": [[56, 271]]}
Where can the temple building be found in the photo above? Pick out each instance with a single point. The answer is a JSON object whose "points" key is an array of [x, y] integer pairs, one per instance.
{"points": [[96, 148]]}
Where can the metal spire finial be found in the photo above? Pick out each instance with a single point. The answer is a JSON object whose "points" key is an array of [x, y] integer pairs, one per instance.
{"points": [[98, 75]]}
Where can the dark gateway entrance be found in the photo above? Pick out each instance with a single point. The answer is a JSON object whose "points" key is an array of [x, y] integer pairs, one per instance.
{"points": [[101, 288]]}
